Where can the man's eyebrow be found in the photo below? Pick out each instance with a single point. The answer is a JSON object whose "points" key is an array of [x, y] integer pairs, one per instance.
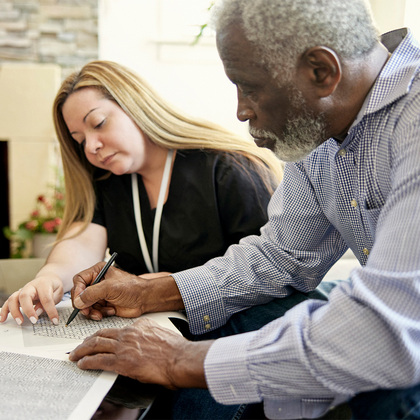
{"points": [[239, 79]]}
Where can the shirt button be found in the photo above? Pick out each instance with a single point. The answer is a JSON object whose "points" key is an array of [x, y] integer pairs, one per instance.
{"points": [[365, 251], [342, 152], [353, 203], [207, 326], [206, 318]]}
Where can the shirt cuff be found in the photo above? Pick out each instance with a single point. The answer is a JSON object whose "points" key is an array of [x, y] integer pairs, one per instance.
{"points": [[202, 299], [227, 372], [229, 382]]}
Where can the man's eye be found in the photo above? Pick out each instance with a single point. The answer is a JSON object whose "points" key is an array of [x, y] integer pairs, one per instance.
{"points": [[247, 92]]}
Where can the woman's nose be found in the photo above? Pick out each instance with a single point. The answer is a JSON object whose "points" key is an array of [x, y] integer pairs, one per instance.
{"points": [[92, 144]]}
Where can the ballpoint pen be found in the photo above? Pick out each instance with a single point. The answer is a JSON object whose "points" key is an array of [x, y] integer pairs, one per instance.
{"points": [[97, 280]]}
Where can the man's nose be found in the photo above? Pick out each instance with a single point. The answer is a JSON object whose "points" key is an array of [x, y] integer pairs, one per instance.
{"points": [[244, 111]]}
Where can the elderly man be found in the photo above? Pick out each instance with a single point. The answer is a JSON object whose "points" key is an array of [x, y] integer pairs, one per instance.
{"points": [[318, 86]]}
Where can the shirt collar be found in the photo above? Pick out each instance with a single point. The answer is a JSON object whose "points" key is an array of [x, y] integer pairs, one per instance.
{"points": [[396, 77]]}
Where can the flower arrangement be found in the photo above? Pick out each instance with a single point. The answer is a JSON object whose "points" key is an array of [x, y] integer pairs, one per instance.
{"points": [[45, 218]]}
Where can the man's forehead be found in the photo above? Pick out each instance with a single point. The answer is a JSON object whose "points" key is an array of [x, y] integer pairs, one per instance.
{"points": [[235, 49]]}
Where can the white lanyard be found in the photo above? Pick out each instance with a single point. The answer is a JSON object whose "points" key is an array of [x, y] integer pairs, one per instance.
{"points": [[153, 268]]}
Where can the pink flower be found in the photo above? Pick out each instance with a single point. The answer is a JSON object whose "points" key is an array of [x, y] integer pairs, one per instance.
{"points": [[35, 214], [49, 226], [31, 225], [41, 198]]}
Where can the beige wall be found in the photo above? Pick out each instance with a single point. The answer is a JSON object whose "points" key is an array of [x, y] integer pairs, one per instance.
{"points": [[392, 14], [27, 92], [389, 14], [192, 77], [15, 273]]}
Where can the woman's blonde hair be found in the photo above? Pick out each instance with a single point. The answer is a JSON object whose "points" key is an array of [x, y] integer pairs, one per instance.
{"points": [[158, 120]]}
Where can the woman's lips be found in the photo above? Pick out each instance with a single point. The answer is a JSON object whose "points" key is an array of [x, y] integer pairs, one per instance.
{"points": [[107, 159]]}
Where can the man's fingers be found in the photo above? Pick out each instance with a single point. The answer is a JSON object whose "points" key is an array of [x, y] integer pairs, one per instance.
{"points": [[86, 277], [89, 296], [100, 361], [102, 341], [99, 311]]}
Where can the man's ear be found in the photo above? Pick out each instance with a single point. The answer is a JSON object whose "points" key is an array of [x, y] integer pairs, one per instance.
{"points": [[321, 68]]}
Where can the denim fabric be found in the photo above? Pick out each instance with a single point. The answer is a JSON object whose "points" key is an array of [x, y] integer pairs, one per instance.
{"points": [[387, 404], [191, 404]]}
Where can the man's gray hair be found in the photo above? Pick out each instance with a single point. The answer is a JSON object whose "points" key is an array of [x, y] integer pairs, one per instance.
{"points": [[283, 29]]}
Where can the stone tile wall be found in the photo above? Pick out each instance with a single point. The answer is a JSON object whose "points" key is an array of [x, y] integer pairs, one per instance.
{"points": [[64, 32]]}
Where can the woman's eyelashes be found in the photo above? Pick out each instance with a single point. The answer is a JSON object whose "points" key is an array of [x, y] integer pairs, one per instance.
{"points": [[95, 125], [100, 124]]}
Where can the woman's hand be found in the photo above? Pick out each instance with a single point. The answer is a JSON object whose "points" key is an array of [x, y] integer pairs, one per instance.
{"points": [[78, 249], [38, 296]]}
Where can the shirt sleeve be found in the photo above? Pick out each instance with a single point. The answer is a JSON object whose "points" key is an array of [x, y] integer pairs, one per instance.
{"points": [[365, 337], [272, 264]]}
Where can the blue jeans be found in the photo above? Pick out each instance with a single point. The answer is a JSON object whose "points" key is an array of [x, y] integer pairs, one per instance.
{"points": [[387, 404], [199, 404]]}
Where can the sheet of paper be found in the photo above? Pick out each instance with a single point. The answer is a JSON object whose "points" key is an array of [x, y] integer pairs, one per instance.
{"points": [[58, 337], [44, 388], [36, 378]]}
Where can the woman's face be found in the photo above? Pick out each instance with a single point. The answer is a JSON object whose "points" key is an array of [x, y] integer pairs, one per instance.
{"points": [[110, 138]]}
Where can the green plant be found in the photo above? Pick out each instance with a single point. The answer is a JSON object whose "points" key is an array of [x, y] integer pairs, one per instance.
{"points": [[45, 218], [202, 27]]}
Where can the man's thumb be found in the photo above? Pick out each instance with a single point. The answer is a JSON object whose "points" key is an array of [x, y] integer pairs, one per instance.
{"points": [[78, 302]]}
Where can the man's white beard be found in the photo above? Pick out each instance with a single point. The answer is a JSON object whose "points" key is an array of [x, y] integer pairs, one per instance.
{"points": [[303, 132], [302, 135]]}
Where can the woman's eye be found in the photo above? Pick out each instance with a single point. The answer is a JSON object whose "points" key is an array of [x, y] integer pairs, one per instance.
{"points": [[100, 124]]}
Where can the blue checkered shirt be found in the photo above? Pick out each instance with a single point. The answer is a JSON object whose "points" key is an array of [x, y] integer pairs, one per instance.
{"points": [[363, 194]]}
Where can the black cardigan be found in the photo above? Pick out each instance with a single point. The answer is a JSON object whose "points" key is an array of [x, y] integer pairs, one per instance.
{"points": [[211, 204]]}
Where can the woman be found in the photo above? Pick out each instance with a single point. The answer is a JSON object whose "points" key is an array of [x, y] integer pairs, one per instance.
{"points": [[164, 191]]}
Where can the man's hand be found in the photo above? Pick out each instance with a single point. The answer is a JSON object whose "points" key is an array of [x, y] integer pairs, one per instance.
{"points": [[146, 352], [123, 294]]}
